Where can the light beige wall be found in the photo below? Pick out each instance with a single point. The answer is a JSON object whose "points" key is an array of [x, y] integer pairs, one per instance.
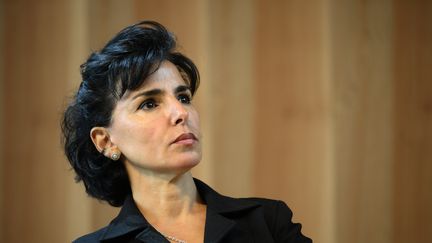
{"points": [[230, 90], [293, 112], [34, 174], [325, 104], [362, 44]]}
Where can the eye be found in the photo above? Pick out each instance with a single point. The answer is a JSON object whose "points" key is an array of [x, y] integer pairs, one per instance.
{"points": [[148, 104], [184, 98]]}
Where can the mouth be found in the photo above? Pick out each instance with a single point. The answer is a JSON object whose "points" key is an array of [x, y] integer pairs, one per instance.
{"points": [[185, 138]]}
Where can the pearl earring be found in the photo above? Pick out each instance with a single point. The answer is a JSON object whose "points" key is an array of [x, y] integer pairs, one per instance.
{"points": [[115, 156]]}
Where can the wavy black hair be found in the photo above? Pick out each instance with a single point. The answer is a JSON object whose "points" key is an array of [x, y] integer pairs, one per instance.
{"points": [[122, 64]]}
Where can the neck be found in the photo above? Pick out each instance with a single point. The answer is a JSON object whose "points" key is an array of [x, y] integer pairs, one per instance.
{"points": [[167, 197]]}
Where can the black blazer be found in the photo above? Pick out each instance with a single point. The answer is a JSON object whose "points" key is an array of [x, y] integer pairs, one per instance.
{"points": [[227, 220]]}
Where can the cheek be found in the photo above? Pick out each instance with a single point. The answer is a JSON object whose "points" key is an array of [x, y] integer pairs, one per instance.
{"points": [[195, 125], [194, 119], [139, 143], [147, 137], [142, 135], [132, 133]]}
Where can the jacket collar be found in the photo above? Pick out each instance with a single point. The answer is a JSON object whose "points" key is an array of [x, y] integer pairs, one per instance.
{"points": [[219, 203], [128, 220], [217, 223]]}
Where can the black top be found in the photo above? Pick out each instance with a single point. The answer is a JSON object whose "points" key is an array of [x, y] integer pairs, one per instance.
{"points": [[227, 220]]}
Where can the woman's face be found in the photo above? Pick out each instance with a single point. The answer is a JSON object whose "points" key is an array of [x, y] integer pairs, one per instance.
{"points": [[155, 127]]}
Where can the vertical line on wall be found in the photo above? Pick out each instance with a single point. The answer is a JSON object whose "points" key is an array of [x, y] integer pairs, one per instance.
{"points": [[362, 101], [78, 208], [2, 21], [328, 203], [231, 93]]}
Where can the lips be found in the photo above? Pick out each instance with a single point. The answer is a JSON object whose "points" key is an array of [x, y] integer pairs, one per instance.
{"points": [[185, 138]]}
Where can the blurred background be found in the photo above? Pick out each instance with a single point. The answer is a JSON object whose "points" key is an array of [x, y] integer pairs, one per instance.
{"points": [[325, 104]]}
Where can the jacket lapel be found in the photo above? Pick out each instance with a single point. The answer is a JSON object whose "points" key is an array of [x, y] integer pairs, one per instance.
{"points": [[217, 226], [219, 207], [129, 220]]}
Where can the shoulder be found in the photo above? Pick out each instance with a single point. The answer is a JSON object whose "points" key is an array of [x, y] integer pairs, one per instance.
{"points": [[278, 217], [91, 237], [264, 202], [258, 214], [273, 210]]}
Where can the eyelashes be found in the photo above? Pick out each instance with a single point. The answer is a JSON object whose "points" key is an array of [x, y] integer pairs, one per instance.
{"points": [[184, 98], [148, 104], [152, 103]]}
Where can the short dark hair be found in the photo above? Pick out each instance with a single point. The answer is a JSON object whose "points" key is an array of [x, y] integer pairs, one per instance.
{"points": [[122, 64]]}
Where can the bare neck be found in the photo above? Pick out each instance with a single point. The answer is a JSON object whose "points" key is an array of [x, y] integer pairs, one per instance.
{"points": [[165, 198]]}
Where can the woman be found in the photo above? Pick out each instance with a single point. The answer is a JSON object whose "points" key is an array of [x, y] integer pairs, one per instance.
{"points": [[132, 136]]}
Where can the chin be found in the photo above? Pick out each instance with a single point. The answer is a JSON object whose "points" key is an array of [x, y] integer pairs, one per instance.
{"points": [[187, 163]]}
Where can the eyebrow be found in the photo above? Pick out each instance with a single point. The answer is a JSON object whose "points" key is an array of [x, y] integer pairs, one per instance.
{"points": [[151, 92], [154, 92], [182, 88]]}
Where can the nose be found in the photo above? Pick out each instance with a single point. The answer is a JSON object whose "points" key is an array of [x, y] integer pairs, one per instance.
{"points": [[178, 113]]}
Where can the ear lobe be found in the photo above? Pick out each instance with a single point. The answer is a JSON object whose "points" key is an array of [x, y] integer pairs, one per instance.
{"points": [[100, 138]]}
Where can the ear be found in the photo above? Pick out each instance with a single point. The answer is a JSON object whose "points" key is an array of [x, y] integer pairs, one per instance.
{"points": [[101, 139]]}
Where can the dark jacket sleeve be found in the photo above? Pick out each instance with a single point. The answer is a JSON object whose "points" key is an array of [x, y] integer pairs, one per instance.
{"points": [[284, 230]]}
